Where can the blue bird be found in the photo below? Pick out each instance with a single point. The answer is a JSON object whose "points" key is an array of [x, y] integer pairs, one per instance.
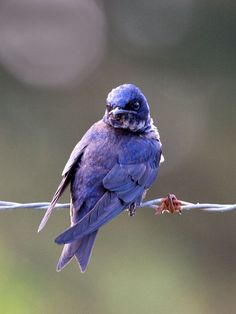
{"points": [[109, 170]]}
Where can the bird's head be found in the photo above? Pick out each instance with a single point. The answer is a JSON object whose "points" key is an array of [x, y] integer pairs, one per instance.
{"points": [[127, 108]]}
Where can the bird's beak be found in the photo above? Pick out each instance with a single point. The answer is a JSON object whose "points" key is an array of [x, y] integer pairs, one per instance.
{"points": [[118, 111]]}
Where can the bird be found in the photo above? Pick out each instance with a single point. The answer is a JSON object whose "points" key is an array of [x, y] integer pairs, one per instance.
{"points": [[109, 171]]}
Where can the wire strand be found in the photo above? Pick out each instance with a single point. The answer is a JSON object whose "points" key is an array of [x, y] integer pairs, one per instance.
{"points": [[154, 204]]}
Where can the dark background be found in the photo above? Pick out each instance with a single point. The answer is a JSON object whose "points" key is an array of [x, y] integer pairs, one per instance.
{"points": [[58, 62]]}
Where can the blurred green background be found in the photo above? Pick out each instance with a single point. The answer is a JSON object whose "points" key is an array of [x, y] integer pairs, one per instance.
{"points": [[58, 62]]}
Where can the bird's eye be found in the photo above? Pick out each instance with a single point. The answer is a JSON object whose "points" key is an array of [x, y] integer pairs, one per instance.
{"points": [[136, 106]]}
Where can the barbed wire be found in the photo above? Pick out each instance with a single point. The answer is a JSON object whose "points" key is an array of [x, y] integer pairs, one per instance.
{"points": [[160, 205]]}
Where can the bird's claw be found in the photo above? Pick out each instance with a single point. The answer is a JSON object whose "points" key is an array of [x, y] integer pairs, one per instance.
{"points": [[169, 204], [132, 210]]}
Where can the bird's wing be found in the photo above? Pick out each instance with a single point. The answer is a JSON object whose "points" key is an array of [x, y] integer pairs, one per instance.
{"points": [[72, 162], [105, 209], [75, 156], [130, 181], [135, 171], [125, 184]]}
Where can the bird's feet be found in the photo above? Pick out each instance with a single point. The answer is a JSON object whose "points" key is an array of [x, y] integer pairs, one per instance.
{"points": [[169, 204], [132, 210]]}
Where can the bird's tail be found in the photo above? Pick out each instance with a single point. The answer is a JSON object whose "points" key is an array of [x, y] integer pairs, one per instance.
{"points": [[81, 249]]}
